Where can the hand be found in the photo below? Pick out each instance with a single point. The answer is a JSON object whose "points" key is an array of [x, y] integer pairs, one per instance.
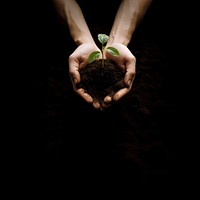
{"points": [[78, 60], [127, 61]]}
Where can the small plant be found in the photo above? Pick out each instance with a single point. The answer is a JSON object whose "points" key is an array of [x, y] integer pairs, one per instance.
{"points": [[103, 38]]}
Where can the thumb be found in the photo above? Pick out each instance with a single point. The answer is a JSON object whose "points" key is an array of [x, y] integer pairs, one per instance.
{"points": [[129, 78]]}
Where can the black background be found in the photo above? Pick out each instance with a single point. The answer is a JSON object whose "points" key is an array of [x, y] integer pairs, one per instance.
{"points": [[59, 140]]}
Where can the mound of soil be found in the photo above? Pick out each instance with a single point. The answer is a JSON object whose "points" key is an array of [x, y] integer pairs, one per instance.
{"points": [[101, 80]]}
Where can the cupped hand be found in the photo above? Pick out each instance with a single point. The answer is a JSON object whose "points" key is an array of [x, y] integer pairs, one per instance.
{"points": [[126, 60], [77, 60]]}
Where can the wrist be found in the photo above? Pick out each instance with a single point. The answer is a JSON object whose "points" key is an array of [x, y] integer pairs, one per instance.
{"points": [[114, 38], [84, 39]]}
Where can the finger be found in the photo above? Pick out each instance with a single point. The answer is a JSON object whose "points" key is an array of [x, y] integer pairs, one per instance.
{"points": [[121, 93], [84, 95], [130, 72], [83, 64], [74, 75], [107, 102], [73, 70], [108, 99], [129, 78], [96, 105], [105, 105]]}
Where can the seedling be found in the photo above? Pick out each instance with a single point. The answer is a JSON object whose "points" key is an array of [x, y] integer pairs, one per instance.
{"points": [[103, 38]]}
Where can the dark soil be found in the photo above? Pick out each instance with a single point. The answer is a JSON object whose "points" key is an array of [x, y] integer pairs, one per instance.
{"points": [[102, 80]]}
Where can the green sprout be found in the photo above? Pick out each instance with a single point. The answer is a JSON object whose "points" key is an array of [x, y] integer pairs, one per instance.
{"points": [[103, 38]]}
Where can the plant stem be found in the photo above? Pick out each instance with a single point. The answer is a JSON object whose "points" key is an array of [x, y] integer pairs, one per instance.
{"points": [[102, 49]]}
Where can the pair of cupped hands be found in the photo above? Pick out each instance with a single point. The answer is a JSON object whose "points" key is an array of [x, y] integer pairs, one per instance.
{"points": [[79, 59]]}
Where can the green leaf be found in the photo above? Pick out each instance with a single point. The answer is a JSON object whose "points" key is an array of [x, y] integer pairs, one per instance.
{"points": [[103, 38], [113, 51], [93, 56]]}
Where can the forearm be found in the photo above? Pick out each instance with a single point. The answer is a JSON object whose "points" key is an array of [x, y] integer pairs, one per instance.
{"points": [[127, 18], [72, 15]]}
